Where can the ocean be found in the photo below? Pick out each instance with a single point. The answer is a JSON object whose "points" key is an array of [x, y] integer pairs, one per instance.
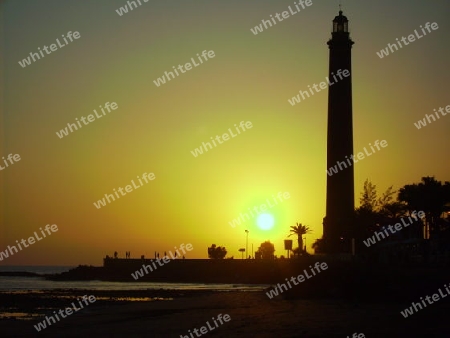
{"points": [[12, 284]]}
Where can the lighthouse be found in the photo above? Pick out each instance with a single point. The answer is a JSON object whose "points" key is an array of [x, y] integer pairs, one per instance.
{"points": [[340, 204]]}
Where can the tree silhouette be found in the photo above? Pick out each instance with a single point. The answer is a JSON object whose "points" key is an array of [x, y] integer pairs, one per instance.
{"points": [[385, 205], [216, 252], [318, 246], [368, 199], [429, 196], [299, 230], [266, 250], [374, 213]]}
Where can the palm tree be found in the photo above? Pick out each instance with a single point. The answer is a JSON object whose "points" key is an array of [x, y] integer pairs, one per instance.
{"points": [[300, 230]]}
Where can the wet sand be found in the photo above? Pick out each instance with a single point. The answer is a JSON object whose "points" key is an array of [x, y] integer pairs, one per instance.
{"points": [[252, 314]]}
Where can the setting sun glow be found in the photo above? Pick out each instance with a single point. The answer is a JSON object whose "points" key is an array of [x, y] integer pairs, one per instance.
{"points": [[265, 221]]}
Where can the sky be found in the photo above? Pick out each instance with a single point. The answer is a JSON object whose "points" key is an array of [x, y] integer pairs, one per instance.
{"points": [[155, 129]]}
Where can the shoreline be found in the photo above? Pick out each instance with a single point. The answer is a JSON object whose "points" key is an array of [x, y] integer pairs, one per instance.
{"points": [[252, 315]]}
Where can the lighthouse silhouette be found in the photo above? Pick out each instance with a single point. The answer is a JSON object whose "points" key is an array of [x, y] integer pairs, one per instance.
{"points": [[339, 219]]}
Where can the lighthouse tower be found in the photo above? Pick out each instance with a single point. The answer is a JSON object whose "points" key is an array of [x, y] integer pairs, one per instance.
{"points": [[338, 222]]}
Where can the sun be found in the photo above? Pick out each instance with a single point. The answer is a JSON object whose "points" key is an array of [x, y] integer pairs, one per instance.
{"points": [[265, 221]]}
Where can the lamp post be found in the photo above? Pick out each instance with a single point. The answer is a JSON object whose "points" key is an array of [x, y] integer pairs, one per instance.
{"points": [[246, 243]]}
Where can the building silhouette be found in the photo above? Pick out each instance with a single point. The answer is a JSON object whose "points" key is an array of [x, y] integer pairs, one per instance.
{"points": [[339, 218]]}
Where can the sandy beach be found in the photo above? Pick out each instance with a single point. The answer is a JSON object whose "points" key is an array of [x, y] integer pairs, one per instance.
{"points": [[252, 314]]}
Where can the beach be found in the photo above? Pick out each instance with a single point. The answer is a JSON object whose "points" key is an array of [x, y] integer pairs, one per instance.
{"points": [[172, 313]]}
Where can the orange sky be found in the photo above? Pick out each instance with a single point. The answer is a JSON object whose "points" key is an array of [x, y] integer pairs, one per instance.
{"points": [[154, 129]]}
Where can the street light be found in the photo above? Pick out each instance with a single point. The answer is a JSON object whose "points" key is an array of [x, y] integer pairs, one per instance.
{"points": [[246, 243]]}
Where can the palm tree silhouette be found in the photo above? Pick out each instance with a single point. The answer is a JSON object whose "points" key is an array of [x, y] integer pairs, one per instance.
{"points": [[300, 230]]}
